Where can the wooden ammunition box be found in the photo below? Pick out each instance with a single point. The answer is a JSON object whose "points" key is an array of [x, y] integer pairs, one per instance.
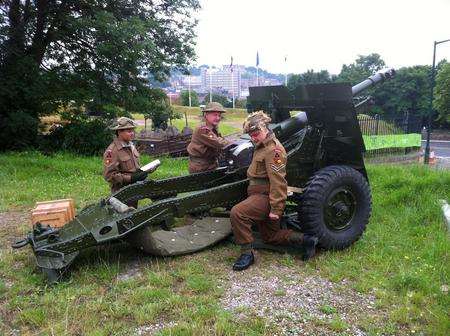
{"points": [[55, 213]]}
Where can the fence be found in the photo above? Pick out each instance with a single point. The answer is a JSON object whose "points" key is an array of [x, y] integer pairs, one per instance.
{"points": [[384, 136]]}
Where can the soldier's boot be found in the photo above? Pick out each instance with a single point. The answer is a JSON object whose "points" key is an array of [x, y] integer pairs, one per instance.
{"points": [[308, 242], [246, 259]]}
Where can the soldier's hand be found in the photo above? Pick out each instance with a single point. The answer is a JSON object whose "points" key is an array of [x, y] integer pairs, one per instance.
{"points": [[273, 217], [138, 175]]}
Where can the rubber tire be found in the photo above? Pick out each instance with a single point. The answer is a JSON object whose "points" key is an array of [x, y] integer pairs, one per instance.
{"points": [[318, 188]]}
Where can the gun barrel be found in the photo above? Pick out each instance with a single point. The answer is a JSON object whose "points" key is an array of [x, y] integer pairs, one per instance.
{"points": [[290, 126], [380, 76]]}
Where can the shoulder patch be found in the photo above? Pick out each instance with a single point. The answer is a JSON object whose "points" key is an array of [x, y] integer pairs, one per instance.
{"points": [[108, 154]]}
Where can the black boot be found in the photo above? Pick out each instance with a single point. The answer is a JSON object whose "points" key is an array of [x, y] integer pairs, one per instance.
{"points": [[244, 261], [309, 244]]}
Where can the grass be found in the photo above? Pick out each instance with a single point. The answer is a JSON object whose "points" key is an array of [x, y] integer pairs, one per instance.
{"points": [[232, 122], [402, 260], [30, 176]]}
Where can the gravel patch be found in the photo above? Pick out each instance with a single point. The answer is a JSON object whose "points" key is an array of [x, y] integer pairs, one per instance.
{"points": [[153, 328], [295, 303]]}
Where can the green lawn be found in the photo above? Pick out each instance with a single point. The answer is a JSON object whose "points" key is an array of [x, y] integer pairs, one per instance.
{"points": [[402, 259]]}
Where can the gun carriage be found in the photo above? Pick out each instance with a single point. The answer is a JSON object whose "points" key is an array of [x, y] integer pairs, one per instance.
{"points": [[329, 188]]}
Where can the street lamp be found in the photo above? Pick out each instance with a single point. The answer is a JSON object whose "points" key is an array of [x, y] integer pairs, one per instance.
{"points": [[426, 159]]}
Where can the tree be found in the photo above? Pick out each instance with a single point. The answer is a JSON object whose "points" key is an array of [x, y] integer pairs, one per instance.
{"points": [[309, 77], [185, 98], [408, 92], [224, 100], [363, 67], [158, 108], [95, 53], [442, 94]]}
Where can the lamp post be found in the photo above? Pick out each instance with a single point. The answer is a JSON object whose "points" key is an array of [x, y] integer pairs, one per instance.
{"points": [[426, 159], [189, 83]]}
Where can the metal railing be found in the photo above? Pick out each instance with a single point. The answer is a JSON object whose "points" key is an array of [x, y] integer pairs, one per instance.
{"points": [[391, 135]]}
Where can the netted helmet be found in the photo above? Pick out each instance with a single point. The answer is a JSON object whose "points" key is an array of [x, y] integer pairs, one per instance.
{"points": [[256, 121]]}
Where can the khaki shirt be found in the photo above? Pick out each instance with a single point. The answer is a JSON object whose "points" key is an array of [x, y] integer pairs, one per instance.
{"points": [[120, 160], [269, 162], [204, 148]]}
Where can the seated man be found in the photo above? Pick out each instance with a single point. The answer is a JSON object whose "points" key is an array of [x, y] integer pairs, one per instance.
{"points": [[267, 193], [121, 159], [206, 141]]}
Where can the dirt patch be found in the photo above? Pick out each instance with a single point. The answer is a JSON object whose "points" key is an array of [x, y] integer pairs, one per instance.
{"points": [[297, 304], [13, 226]]}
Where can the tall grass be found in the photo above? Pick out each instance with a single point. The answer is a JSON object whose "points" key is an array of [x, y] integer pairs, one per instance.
{"points": [[28, 177]]}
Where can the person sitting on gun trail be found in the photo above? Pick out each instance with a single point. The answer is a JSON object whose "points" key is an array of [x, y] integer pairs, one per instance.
{"points": [[267, 193], [121, 159], [207, 142]]}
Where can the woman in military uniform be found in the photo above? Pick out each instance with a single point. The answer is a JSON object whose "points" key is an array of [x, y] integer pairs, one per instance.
{"points": [[267, 193], [207, 142], [121, 159]]}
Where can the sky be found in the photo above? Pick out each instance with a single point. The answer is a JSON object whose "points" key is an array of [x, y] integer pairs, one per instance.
{"points": [[321, 34]]}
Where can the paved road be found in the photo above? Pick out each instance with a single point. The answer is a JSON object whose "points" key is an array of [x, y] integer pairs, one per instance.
{"points": [[441, 148]]}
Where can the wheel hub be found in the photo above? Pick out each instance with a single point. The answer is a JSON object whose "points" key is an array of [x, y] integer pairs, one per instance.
{"points": [[339, 209]]}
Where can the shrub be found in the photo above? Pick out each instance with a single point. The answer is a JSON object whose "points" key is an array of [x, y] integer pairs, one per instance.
{"points": [[19, 131], [85, 137]]}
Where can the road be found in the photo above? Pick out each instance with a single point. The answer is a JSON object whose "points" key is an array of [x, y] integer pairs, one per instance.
{"points": [[441, 148]]}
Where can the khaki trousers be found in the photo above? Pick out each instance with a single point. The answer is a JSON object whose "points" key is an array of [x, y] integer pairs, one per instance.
{"points": [[255, 211], [197, 165]]}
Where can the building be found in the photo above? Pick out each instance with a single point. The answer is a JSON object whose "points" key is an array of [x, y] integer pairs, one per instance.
{"points": [[224, 79]]}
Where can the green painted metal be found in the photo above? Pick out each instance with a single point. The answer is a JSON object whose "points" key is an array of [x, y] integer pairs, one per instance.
{"points": [[392, 141]]}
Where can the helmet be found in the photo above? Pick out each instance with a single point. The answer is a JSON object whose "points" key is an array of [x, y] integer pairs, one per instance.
{"points": [[256, 121], [214, 107], [123, 123]]}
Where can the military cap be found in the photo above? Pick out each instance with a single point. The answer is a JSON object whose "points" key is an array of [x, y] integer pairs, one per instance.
{"points": [[256, 121], [123, 123], [214, 107]]}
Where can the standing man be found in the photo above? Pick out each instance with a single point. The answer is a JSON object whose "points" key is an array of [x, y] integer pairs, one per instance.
{"points": [[206, 141], [121, 159], [267, 193]]}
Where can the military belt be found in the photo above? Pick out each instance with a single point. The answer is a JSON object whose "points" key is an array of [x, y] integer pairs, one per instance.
{"points": [[259, 181]]}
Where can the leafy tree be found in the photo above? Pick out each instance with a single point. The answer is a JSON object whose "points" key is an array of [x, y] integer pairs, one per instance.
{"points": [[442, 94], [158, 108], [185, 98], [363, 67], [241, 103], [88, 53], [407, 92], [224, 100], [309, 77]]}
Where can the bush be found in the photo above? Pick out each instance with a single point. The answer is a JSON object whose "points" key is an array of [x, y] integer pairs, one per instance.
{"points": [[85, 137], [19, 131]]}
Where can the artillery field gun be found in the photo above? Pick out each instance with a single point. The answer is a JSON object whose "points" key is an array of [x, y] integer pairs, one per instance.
{"points": [[329, 190]]}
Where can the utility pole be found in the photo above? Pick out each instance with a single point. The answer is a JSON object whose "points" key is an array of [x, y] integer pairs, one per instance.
{"points": [[210, 85], [232, 86], [426, 159], [189, 81], [285, 69]]}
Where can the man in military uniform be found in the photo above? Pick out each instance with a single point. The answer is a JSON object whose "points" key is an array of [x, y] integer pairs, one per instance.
{"points": [[267, 193], [121, 159], [206, 142]]}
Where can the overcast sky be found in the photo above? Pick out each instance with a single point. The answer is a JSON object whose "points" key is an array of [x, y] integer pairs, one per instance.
{"points": [[321, 34]]}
